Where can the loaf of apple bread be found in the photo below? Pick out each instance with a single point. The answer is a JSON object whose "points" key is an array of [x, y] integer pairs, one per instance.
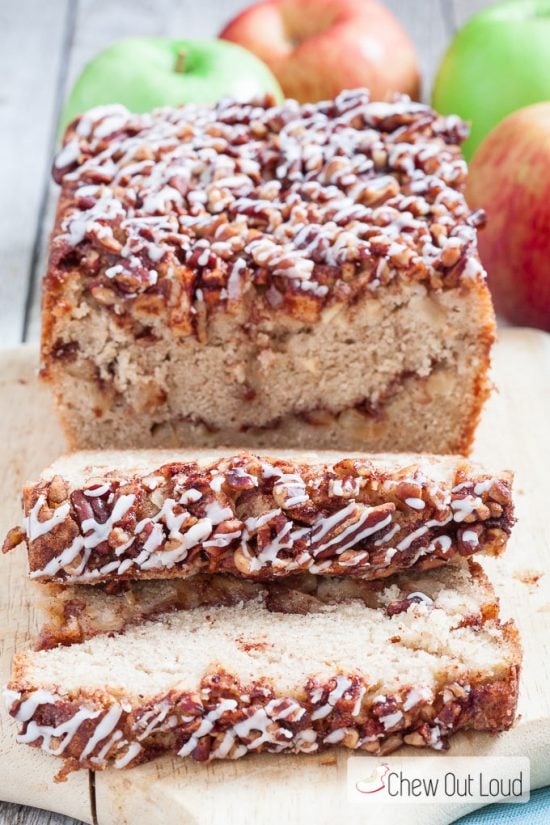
{"points": [[108, 516], [409, 663], [258, 275]]}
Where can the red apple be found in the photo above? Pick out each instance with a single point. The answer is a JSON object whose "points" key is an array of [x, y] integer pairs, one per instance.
{"points": [[317, 48], [510, 179]]}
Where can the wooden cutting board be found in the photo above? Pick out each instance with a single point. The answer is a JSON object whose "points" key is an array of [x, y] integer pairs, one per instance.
{"points": [[269, 789]]}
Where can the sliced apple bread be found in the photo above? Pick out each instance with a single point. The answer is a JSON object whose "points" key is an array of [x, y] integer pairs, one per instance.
{"points": [[412, 661], [257, 275], [103, 517]]}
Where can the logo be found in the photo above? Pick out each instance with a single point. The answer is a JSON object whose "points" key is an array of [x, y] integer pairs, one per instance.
{"points": [[374, 781], [442, 778]]}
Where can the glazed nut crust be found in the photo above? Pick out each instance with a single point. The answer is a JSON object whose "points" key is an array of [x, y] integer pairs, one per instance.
{"points": [[182, 211], [227, 720], [261, 518]]}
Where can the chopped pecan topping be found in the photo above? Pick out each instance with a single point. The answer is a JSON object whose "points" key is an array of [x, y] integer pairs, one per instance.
{"points": [[301, 203]]}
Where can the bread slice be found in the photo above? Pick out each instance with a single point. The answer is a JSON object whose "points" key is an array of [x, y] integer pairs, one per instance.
{"points": [[427, 658], [74, 613], [267, 276], [104, 517]]}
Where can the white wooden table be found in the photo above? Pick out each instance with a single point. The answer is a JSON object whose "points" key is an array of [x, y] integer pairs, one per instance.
{"points": [[43, 46]]}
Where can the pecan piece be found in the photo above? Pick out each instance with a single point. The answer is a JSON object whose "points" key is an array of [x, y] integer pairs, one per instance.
{"points": [[57, 491], [332, 535], [500, 492], [82, 505], [202, 750], [468, 539], [14, 538]]}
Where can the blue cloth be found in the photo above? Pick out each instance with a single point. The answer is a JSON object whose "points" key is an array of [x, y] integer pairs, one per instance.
{"points": [[534, 812]]}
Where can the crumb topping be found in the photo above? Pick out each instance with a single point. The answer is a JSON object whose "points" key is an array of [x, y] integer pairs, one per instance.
{"points": [[296, 204]]}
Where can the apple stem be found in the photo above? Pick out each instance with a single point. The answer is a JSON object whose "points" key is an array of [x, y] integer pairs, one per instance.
{"points": [[180, 61]]}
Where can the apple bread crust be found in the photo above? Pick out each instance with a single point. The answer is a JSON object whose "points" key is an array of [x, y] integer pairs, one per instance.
{"points": [[257, 516], [203, 295]]}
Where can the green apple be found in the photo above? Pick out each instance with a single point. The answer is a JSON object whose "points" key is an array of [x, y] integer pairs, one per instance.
{"points": [[498, 62], [144, 73]]}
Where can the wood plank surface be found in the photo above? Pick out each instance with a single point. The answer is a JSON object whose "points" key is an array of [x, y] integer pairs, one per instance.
{"points": [[30, 65], [249, 790]]}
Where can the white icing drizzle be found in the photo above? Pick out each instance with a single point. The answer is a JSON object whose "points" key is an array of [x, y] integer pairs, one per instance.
{"points": [[190, 496], [483, 486], [341, 530], [168, 558], [345, 488], [312, 206], [152, 719], [471, 537], [415, 503], [343, 684], [58, 563], [390, 720], [405, 543], [111, 741], [417, 695], [306, 741], [259, 726], [103, 729], [335, 736], [64, 732], [217, 483], [35, 528], [284, 709], [293, 489], [152, 482], [269, 471], [97, 491], [282, 541], [222, 539], [96, 533], [387, 536], [216, 513], [464, 507], [259, 721], [444, 542], [222, 750], [133, 750], [206, 725], [357, 706], [325, 524]]}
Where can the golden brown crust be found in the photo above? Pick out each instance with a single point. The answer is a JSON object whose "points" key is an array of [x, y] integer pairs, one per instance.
{"points": [[262, 519], [213, 722], [482, 383]]}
